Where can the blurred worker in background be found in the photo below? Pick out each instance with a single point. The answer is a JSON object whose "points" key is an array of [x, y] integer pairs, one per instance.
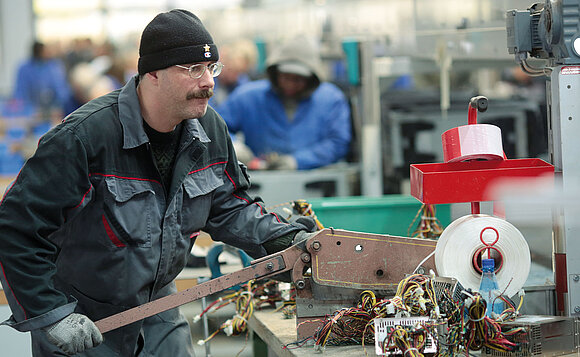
{"points": [[102, 218], [292, 120], [239, 59], [96, 76], [41, 83]]}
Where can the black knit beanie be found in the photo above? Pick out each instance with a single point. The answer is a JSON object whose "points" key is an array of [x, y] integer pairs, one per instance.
{"points": [[175, 37]]}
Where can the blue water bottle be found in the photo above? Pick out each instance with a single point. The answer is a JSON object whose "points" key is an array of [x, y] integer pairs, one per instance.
{"points": [[489, 289]]}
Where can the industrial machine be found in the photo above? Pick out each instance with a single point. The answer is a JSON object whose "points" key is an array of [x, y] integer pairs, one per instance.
{"points": [[341, 264], [551, 31]]}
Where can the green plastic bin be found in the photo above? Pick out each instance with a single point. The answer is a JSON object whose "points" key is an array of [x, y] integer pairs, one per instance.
{"points": [[389, 214]]}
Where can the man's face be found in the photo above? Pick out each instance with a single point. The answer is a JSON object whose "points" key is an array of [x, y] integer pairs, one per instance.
{"points": [[186, 97], [291, 85]]}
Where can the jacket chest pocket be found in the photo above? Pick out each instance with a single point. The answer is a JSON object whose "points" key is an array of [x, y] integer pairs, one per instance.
{"points": [[197, 198], [128, 211]]}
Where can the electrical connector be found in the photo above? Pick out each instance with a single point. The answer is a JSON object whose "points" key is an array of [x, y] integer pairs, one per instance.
{"points": [[319, 349], [437, 311], [402, 313], [422, 304], [468, 302], [228, 327]]}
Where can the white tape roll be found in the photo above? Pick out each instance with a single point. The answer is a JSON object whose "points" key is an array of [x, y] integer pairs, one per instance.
{"points": [[460, 241], [475, 141]]}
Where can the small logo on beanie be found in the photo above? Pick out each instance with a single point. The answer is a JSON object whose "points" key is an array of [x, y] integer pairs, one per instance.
{"points": [[206, 54]]}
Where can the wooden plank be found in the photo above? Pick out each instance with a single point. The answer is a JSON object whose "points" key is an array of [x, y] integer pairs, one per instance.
{"points": [[183, 284], [276, 332]]}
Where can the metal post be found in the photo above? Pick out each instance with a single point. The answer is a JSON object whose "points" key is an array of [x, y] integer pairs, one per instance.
{"points": [[372, 168], [564, 126], [205, 327]]}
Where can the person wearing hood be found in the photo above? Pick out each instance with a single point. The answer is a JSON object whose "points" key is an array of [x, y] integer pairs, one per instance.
{"points": [[293, 119]]}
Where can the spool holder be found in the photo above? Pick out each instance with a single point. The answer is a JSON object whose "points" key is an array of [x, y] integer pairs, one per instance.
{"points": [[469, 181]]}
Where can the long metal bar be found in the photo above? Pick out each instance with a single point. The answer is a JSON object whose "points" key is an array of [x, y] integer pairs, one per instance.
{"points": [[268, 266], [205, 327]]}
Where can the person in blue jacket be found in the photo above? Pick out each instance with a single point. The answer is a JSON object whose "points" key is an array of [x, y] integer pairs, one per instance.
{"points": [[293, 119], [41, 82]]}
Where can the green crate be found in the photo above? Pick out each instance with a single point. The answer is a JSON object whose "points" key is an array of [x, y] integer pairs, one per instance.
{"points": [[389, 214]]}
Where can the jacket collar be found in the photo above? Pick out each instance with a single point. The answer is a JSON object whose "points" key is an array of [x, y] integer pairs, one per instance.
{"points": [[131, 119]]}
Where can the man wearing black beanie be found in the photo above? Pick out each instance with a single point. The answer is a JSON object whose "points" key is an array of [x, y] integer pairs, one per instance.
{"points": [[104, 215]]}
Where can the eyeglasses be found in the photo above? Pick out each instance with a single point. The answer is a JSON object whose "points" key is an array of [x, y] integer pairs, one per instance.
{"points": [[197, 70]]}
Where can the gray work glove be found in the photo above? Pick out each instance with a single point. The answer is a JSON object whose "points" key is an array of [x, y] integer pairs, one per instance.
{"points": [[303, 236], [74, 334], [285, 241]]}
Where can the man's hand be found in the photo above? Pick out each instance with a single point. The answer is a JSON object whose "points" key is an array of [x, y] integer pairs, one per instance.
{"points": [[303, 236], [243, 152], [73, 334], [277, 161]]}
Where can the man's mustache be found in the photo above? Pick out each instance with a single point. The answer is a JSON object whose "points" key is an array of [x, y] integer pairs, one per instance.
{"points": [[202, 94]]}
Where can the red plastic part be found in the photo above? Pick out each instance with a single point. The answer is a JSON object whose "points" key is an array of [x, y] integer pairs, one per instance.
{"points": [[455, 182]]}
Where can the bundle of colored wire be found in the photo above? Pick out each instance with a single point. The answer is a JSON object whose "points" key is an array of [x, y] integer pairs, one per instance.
{"points": [[352, 325], [221, 302], [408, 340], [476, 314], [484, 331], [511, 311], [288, 310], [305, 209], [417, 294], [299, 207], [449, 307], [349, 325], [454, 341], [496, 339], [428, 226], [245, 301], [460, 326], [244, 308], [346, 326], [267, 292]]}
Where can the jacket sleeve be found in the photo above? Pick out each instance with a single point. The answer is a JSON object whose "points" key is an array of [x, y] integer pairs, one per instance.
{"points": [[241, 221], [335, 126], [229, 110], [51, 183]]}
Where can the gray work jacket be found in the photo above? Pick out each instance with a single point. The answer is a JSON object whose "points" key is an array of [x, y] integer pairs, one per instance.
{"points": [[88, 225]]}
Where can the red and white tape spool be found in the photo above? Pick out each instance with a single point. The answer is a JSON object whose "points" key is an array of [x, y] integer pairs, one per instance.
{"points": [[470, 142]]}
